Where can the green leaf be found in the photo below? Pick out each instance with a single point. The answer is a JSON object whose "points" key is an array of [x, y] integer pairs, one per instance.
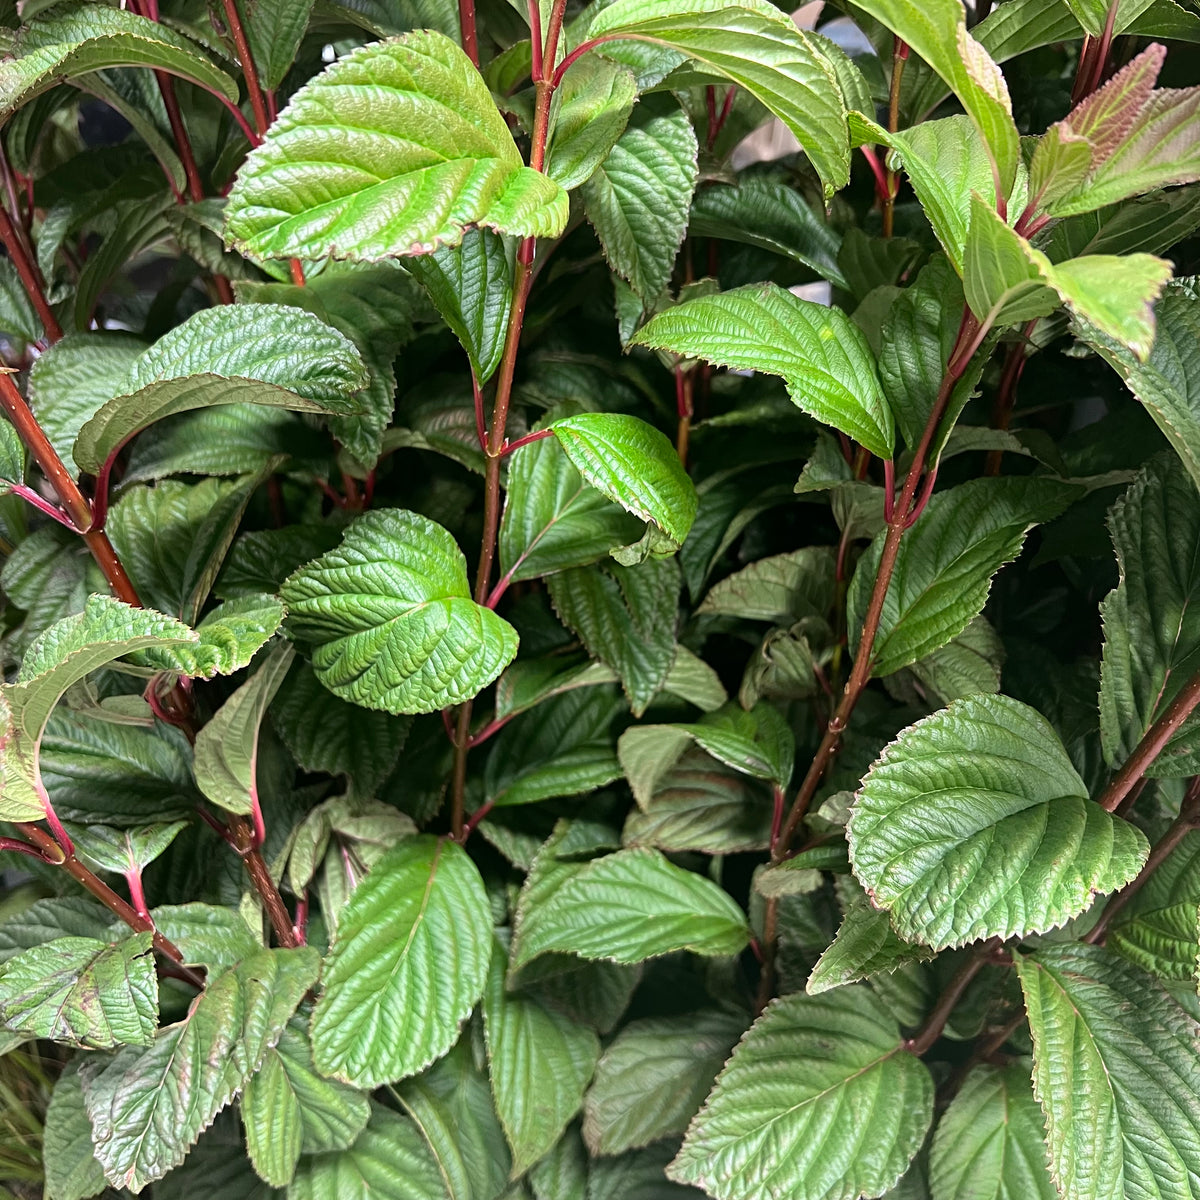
{"points": [[989, 1144], [820, 1099], [471, 284], [820, 353], [565, 748], [123, 850], [324, 733], [938, 33], [945, 564], [754, 45], [606, 606], [653, 1077], [633, 465], [72, 1172], [764, 210], [427, 157], [274, 29], [1151, 619], [226, 640], [866, 945], [393, 1002], [639, 197], [626, 907], [593, 105], [227, 747], [539, 1061], [44, 920], [173, 537], [1157, 928], [391, 618], [552, 519], [82, 992], [61, 656], [974, 824], [231, 354], [207, 935], [12, 458], [17, 316], [529, 681], [389, 1161], [1121, 1124], [781, 589], [1006, 281], [287, 1109], [148, 1107], [73, 40], [1166, 382]]}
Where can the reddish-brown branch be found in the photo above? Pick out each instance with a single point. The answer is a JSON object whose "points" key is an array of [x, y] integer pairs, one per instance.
{"points": [[242, 838], [948, 1000], [1006, 394], [30, 277], [899, 58], [1153, 742], [466, 23], [258, 102]]}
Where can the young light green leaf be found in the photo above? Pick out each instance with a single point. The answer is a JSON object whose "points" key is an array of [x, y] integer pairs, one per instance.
{"points": [[149, 1106], [539, 1061], [389, 1161], [989, 1144], [226, 755], [427, 157], [226, 640], [820, 353], [471, 284], [938, 33], [1122, 1123], [627, 907], [1151, 623], [391, 618], [974, 824], [74, 40], [592, 107], [820, 1099], [638, 198], [632, 464], [653, 1077], [552, 519], [72, 1172], [1005, 280], [82, 992], [407, 966], [231, 354], [605, 606], [758, 48], [122, 850]]}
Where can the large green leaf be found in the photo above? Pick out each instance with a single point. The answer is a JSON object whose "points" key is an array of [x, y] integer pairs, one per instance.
{"points": [[391, 618], [226, 757], [407, 966], [820, 353], [274, 29], [389, 1161], [974, 824], [638, 198], [626, 617], [72, 40], [231, 354], [946, 562], [1157, 928], [937, 31], [148, 1106], [552, 518], [1121, 1122], [633, 465], [72, 1172], [989, 1144], [625, 907], [1168, 382], [754, 45], [1152, 617], [592, 107], [654, 1076], [409, 170], [82, 992], [539, 1060], [820, 1100]]}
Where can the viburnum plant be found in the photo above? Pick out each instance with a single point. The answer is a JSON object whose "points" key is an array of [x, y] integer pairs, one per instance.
{"points": [[547, 663]]}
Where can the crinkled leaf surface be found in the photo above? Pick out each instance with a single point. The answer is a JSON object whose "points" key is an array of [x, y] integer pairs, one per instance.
{"points": [[72, 1172], [394, 149], [1121, 1121], [820, 353], [593, 107], [391, 618], [407, 966], [974, 824], [820, 1101]]}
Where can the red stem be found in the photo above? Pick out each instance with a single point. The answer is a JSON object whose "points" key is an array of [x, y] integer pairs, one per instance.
{"points": [[133, 877], [31, 497], [536, 436], [258, 102], [466, 24], [30, 277]]}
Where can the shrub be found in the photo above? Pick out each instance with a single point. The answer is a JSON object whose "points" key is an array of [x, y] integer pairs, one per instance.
{"points": [[547, 663]]}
